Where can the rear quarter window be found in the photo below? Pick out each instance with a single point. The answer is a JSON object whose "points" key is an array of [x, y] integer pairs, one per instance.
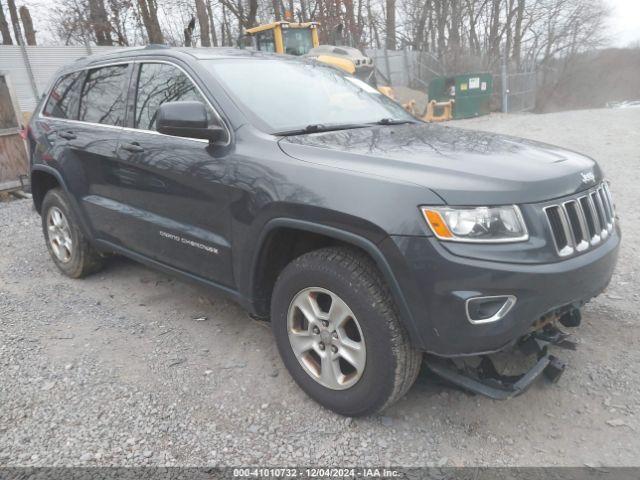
{"points": [[104, 94], [63, 99]]}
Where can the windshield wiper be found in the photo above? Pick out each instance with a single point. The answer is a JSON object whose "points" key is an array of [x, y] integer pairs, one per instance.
{"points": [[321, 127], [392, 121]]}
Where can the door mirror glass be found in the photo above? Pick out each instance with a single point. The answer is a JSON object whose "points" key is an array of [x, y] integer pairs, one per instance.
{"points": [[187, 119]]}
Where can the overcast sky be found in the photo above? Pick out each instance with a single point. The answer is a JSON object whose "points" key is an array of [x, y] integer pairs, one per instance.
{"points": [[625, 22]]}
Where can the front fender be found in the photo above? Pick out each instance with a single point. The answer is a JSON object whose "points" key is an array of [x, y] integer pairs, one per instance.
{"points": [[370, 247]]}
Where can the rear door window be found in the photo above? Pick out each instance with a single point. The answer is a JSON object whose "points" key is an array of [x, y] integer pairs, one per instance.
{"points": [[63, 100], [159, 83], [104, 95]]}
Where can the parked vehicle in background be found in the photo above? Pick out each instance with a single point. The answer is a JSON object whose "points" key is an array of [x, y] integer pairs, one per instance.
{"points": [[366, 236]]}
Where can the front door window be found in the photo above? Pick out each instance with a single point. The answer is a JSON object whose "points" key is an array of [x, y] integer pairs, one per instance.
{"points": [[159, 83]]}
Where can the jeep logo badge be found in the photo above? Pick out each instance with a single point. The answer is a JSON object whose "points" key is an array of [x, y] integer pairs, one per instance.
{"points": [[588, 177]]}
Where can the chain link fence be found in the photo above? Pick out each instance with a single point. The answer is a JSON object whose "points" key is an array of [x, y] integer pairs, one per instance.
{"points": [[519, 92]]}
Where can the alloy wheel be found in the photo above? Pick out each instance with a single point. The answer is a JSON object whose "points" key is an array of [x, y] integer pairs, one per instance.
{"points": [[326, 338], [59, 234]]}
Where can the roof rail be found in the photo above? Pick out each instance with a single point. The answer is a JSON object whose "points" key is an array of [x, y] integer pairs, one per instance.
{"points": [[152, 46]]}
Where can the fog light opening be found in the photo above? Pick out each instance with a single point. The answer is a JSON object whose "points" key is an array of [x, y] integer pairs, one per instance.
{"points": [[488, 309]]}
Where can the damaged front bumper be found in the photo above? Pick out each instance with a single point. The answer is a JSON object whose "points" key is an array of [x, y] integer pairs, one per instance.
{"points": [[483, 378], [438, 286]]}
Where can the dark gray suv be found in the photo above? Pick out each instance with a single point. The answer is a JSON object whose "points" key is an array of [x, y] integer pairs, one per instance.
{"points": [[366, 236]]}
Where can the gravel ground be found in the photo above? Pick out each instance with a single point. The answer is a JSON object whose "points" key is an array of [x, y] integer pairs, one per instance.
{"points": [[131, 367]]}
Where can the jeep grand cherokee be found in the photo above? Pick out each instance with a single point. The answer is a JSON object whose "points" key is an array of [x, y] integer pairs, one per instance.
{"points": [[366, 236]]}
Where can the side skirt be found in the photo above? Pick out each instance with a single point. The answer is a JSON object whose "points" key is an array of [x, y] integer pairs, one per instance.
{"points": [[226, 291]]}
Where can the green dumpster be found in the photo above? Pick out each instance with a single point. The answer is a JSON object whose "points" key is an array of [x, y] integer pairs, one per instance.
{"points": [[471, 92]]}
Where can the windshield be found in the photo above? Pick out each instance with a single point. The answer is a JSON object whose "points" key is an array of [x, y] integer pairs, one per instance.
{"points": [[265, 41], [282, 95], [297, 41]]}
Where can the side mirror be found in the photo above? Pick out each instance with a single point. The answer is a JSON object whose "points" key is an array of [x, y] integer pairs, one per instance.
{"points": [[187, 119]]}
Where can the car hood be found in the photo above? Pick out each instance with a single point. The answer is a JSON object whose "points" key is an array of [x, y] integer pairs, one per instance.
{"points": [[464, 167]]}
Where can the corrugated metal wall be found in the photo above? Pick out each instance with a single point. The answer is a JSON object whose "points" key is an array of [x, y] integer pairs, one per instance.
{"points": [[45, 61]]}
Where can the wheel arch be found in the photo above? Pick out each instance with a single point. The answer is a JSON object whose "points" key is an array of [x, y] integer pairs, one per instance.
{"points": [[263, 274], [45, 178]]}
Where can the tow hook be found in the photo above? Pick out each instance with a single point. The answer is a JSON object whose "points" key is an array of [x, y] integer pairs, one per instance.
{"points": [[484, 378], [554, 336]]}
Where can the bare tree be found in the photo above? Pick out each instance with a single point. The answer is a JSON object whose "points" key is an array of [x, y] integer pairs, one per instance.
{"points": [[252, 14], [373, 26], [4, 28], [27, 23], [15, 23], [100, 22], [149, 13], [224, 27], [203, 22], [120, 20], [455, 47], [275, 4], [353, 27], [517, 33], [214, 36], [247, 17], [188, 32], [454, 35]]}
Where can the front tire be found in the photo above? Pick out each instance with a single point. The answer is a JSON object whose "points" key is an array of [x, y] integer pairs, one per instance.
{"points": [[338, 332], [69, 248]]}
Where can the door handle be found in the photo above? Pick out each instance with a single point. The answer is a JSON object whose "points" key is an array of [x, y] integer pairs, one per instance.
{"points": [[67, 135], [133, 147]]}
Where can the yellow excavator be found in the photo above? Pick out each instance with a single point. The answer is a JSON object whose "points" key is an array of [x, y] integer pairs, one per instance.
{"points": [[285, 37], [301, 39]]}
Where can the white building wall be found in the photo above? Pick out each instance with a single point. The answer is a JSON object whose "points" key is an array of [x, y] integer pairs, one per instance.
{"points": [[45, 61]]}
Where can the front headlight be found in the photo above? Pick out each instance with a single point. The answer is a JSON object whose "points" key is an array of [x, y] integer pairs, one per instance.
{"points": [[479, 224]]}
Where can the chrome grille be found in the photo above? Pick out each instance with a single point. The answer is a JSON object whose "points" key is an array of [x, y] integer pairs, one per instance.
{"points": [[582, 222]]}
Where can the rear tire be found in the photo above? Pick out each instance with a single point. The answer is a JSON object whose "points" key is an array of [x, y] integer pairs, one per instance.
{"points": [[302, 318], [69, 248]]}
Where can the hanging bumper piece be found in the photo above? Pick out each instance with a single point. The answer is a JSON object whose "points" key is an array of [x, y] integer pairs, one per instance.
{"points": [[484, 378]]}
